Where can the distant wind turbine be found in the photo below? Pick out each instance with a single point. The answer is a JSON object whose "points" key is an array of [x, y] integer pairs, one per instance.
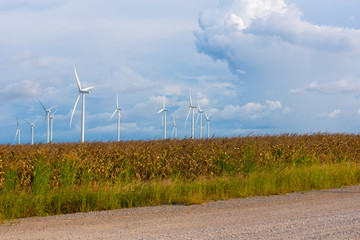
{"points": [[117, 109], [82, 92], [163, 111], [191, 109], [17, 131], [174, 130], [200, 111], [32, 125], [51, 126], [47, 119], [207, 124]]}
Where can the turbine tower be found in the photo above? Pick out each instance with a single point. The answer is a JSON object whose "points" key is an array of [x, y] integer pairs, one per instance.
{"points": [[17, 131], [174, 130], [32, 125], [47, 119], [200, 111], [51, 126], [117, 109], [82, 92], [207, 125], [191, 109], [163, 110]]}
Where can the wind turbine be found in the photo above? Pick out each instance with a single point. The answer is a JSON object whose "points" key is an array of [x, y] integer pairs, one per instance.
{"points": [[191, 109], [117, 109], [17, 131], [200, 111], [47, 119], [82, 92], [174, 129], [163, 110], [207, 124], [51, 126], [32, 125]]}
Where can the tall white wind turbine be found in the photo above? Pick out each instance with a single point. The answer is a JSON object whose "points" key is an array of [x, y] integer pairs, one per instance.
{"points": [[163, 111], [47, 119], [200, 112], [17, 131], [82, 92], [191, 109], [52, 126], [174, 130], [207, 124], [117, 109], [32, 125]]}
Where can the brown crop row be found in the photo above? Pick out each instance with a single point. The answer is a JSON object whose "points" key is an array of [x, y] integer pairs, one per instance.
{"points": [[167, 159]]}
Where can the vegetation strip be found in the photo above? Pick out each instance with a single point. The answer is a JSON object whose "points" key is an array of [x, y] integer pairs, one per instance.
{"points": [[52, 179]]}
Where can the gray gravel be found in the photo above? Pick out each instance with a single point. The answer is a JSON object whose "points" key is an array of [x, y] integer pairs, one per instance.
{"points": [[329, 214]]}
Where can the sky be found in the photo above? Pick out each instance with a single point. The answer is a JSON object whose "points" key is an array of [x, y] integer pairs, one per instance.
{"points": [[254, 66]]}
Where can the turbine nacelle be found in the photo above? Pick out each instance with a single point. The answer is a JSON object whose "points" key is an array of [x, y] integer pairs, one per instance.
{"points": [[191, 107], [31, 124], [85, 90], [163, 110], [82, 91]]}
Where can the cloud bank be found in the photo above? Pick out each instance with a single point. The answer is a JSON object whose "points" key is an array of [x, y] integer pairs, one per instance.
{"points": [[248, 32]]}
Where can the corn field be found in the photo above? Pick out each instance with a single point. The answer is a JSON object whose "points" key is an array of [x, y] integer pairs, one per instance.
{"points": [[45, 168]]}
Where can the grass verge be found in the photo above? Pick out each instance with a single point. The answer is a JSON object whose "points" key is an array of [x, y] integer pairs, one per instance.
{"points": [[39, 199]]}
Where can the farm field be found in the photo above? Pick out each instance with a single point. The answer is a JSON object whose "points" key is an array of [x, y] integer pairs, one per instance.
{"points": [[52, 179]]}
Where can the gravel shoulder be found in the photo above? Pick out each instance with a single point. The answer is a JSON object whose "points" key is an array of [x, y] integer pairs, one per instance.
{"points": [[327, 214]]}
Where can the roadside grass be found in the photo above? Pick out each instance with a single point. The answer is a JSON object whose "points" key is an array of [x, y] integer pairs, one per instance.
{"points": [[43, 201], [56, 179]]}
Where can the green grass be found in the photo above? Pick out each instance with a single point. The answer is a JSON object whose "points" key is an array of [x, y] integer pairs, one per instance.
{"points": [[50, 179], [41, 200]]}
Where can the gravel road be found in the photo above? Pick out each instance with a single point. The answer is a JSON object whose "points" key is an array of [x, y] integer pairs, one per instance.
{"points": [[329, 214]]}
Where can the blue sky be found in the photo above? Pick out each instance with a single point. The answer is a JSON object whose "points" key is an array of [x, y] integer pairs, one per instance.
{"points": [[261, 66]]}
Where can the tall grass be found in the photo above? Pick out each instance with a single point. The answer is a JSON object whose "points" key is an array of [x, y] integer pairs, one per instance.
{"points": [[66, 178]]}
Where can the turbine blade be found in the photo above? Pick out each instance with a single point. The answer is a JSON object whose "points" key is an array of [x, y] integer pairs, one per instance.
{"points": [[77, 78], [117, 100], [52, 107], [27, 122], [16, 134], [187, 116], [172, 133], [72, 114], [113, 114], [42, 105], [161, 110], [197, 119], [190, 97], [35, 121], [164, 103], [87, 89], [53, 113]]}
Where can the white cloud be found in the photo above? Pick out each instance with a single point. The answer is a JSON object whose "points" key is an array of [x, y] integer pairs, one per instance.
{"points": [[335, 113], [342, 86], [253, 110], [246, 32], [273, 104], [24, 89]]}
